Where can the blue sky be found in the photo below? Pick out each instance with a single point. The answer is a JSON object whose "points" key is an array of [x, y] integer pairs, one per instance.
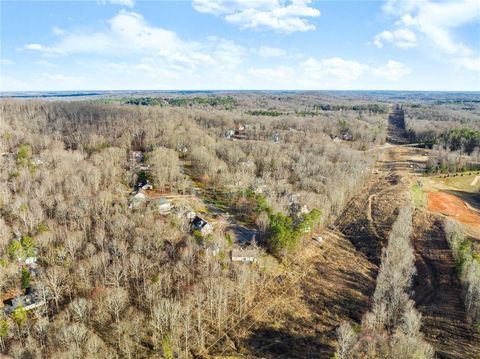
{"points": [[240, 44]]}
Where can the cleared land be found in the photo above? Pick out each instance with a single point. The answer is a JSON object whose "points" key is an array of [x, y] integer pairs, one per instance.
{"points": [[439, 294], [457, 197]]}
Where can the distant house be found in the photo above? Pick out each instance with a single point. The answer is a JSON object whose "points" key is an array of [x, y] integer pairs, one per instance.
{"points": [[30, 261], [136, 156], [182, 149], [201, 225], [230, 133], [296, 209], [163, 205], [27, 302], [244, 255], [137, 200]]}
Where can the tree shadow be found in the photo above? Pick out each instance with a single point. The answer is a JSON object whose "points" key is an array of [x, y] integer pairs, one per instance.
{"points": [[315, 336], [473, 199]]}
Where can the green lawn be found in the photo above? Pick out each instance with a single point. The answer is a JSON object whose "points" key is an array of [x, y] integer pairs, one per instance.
{"points": [[419, 197]]}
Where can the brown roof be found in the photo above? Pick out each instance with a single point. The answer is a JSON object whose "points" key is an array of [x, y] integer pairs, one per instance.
{"points": [[9, 294]]}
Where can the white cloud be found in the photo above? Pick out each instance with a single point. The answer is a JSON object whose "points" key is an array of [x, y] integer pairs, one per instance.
{"points": [[129, 35], [268, 51], [283, 16], [279, 73], [470, 63], [44, 50], [58, 31], [438, 22], [6, 62], [127, 3], [392, 71], [335, 67], [331, 73], [64, 81], [402, 38], [45, 63]]}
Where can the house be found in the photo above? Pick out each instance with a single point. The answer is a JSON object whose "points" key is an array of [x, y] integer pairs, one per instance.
{"points": [[147, 186], [27, 302], [30, 261], [163, 205], [244, 255], [296, 209], [347, 136], [230, 133], [137, 200], [136, 156], [37, 162], [182, 149], [201, 225]]}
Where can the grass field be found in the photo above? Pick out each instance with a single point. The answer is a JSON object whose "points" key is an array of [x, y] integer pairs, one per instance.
{"points": [[462, 182], [419, 197], [455, 196]]}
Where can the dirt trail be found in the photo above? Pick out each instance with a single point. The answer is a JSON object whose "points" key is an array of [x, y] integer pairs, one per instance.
{"points": [[396, 126], [341, 280], [438, 292]]}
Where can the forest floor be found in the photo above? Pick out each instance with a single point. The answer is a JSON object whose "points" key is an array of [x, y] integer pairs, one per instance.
{"points": [[338, 279]]}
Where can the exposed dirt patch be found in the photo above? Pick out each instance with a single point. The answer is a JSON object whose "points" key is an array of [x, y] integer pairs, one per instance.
{"points": [[302, 324], [452, 206], [475, 181], [438, 292]]}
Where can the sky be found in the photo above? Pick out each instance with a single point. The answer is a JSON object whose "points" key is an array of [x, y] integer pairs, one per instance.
{"points": [[240, 45]]}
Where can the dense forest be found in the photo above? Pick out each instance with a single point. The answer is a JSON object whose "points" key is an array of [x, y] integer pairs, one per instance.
{"points": [[144, 226], [113, 279]]}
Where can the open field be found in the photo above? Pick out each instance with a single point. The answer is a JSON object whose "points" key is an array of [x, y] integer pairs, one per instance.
{"points": [[456, 196]]}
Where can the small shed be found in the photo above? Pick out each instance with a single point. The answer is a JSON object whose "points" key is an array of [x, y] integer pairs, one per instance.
{"points": [[244, 255]]}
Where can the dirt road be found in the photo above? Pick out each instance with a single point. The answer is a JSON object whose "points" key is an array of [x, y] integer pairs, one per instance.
{"points": [[437, 290], [438, 293]]}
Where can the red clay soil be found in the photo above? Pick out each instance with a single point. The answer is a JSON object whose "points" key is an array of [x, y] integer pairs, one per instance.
{"points": [[452, 206]]}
